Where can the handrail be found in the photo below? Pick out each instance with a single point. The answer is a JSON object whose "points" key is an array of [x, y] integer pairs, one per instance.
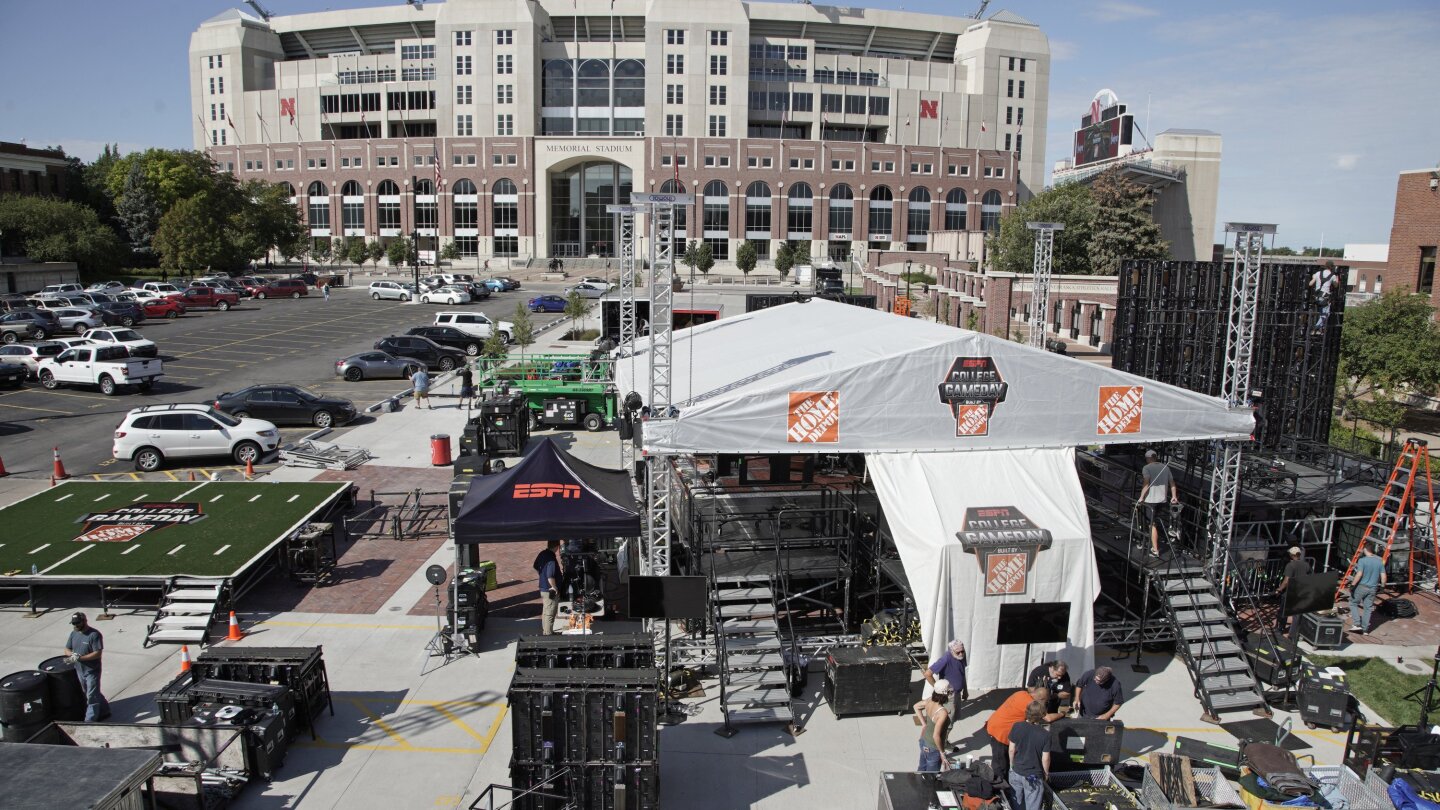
{"points": [[519, 794]]}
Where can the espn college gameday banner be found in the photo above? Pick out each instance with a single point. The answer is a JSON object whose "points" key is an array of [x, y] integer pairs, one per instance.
{"points": [[977, 530], [826, 377]]}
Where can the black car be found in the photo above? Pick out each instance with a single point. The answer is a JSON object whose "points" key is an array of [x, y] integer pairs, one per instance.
{"points": [[286, 405], [510, 283], [427, 351], [449, 336], [129, 312], [12, 375], [477, 289], [308, 278], [44, 319]]}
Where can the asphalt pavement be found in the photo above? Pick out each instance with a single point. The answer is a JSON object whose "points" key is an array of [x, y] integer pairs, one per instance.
{"points": [[207, 353]]}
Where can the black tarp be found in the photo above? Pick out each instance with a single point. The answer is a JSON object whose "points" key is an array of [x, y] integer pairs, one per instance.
{"points": [[548, 495]]}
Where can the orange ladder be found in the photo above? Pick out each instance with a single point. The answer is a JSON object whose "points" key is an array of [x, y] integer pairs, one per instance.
{"points": [[1396, 509]]}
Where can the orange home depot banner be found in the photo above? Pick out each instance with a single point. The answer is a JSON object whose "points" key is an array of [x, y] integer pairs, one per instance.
{"points": [[814, 416], [1120, 409]]}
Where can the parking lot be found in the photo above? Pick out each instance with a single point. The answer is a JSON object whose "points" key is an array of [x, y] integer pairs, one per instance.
{"points": [[207, 353]]}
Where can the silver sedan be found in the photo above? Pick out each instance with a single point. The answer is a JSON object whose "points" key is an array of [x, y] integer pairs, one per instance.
{"points": [[586, 290], [376, 366]]}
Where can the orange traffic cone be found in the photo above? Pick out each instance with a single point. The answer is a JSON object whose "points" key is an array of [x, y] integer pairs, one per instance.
{"points": [[249, 470], [235, 634], [60, 474], [184, 658], [3, 471]]}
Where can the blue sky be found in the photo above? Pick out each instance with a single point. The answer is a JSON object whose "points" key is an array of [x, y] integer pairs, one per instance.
{"points": [[1321, 103]]}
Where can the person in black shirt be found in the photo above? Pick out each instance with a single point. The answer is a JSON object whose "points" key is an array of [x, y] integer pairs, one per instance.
{"points": [[1098, 694], [1296, 567], [1055, 677], [1030, 748]]}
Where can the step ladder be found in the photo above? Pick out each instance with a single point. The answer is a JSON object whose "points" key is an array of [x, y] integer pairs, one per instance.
{"points": [[188, 607], [753, 683], [1206, 641], [1395, 513]]}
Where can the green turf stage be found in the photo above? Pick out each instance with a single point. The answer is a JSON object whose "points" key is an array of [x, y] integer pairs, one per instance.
{"points": [[242, 518]]}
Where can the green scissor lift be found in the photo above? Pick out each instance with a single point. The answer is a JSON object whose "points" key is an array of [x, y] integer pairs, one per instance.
{"points": [[584, 380]]}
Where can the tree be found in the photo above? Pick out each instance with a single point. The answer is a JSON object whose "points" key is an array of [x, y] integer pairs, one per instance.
{"points": [[268, 221], [784, 259], [172, 174], [746, 257], [450, 252], [576, 308], [357, 252], [192, 235], [522, 328], [398, 252], [138, 214], [1387, 350], [320, 251], [704, 259], [494, 345], [1123, 228], [47, 229], [972, 321], [691, 259], [1012, 250], [375, 251], [800, 253]]}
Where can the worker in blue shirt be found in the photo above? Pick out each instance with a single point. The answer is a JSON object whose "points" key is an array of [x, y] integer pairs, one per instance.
{"points": [[1367, 579], [950, 667]]}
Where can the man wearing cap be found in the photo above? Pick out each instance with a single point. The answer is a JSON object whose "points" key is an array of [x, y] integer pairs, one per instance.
{"points": [[951, 667], [1158, 482], [83, 649], [1296, 567], [1098, 694]]}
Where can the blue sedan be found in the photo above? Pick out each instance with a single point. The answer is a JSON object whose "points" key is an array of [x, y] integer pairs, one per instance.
{"points": [[547, 303], [494, 285]]}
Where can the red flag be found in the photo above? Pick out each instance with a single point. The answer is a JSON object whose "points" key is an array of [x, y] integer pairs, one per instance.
{"points": [[982, 125]]}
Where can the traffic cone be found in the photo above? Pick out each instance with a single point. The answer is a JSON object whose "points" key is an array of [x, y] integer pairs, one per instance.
{"points": [[235, 634], [249, 470], [184, 658], [192, 475], [3, 471], [60, 474], [52, 480]]}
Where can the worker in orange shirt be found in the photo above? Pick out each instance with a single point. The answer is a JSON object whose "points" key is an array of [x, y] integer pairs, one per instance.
{"points": [[1012, 711]]}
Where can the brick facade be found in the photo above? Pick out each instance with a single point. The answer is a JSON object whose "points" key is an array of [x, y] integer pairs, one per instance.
{"points": [[1414, 234], [24, 170]]}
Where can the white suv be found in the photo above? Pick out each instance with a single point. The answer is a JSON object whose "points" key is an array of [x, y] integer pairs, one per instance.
{"points": [[475, 323], [152, 434]]}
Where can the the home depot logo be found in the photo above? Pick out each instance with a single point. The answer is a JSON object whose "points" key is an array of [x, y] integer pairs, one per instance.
{"points": [[547, 491], [114, 533], [814, 416], [1006, 542], [126, 523], [1120, 409], [1005, 573]]}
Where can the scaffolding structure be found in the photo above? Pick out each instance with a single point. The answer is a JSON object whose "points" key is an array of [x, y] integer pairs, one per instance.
{"points": [[1040, 280], [626, 215]]}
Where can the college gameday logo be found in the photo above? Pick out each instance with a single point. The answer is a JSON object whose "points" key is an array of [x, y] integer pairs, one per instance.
{"points": [[1006, 542], [129, 522], [814, 416], [972, 388], [1120, 409], [546, 491]]}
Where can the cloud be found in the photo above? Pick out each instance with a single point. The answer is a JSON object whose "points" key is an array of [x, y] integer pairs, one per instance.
{"points": [[1118, 11], [1346, 162], [1062, 49]]}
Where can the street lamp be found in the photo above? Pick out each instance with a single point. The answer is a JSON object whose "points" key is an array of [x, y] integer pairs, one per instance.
{"points": [[415, 259], [907, 280]]}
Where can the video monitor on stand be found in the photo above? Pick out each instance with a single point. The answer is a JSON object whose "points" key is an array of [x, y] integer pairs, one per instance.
{"points": [[1033, 623]]}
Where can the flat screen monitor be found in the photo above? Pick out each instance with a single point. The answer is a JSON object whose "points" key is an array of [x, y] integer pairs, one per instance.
{"points": [[668, 597], [1033, 623], [1311, 593]]}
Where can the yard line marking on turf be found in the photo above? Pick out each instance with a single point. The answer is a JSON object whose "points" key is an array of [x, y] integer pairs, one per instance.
{"points": [[171, 552], [102, 497], [292, 498], [63, 497], [87, 547], [254, 499], [217, 497], [142, 497], [128, 550], [220, 551], [190, 490], [41, 548]]}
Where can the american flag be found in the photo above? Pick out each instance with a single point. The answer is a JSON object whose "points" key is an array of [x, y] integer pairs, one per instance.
{"points": [[438, 180]]}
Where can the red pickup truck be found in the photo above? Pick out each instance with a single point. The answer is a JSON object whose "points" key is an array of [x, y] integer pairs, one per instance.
{"points": [[164, 308], [206, 297]]}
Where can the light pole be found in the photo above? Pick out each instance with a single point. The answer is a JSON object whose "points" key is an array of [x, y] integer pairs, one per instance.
{"points": [[415, 259], [907, 281]]}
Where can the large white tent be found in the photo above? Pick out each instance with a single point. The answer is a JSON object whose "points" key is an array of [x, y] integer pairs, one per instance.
{"points": [[965, 433]]}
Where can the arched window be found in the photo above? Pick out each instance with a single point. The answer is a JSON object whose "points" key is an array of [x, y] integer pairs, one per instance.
{"points": [[288, 189], [881, 209], [918, 215], [424, 187], [352, 208], [955, 210], [319, 206], [990, 212], [715, 212], [465, 205], [757, 211], [505, 209], [842, 210], [593, 83], [799, 219], [681, 211], [558, 83], [630, 83], [427, 212], [387, 208]]}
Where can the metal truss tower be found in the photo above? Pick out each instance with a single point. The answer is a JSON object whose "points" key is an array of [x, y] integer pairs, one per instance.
{"points": [[1235, 388], [659, 472], [626, 215], [1040, 281]]}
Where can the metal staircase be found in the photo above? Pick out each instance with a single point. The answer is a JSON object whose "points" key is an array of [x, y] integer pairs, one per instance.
{"points": [[1206, 640], [753, 683], [187, 608]]}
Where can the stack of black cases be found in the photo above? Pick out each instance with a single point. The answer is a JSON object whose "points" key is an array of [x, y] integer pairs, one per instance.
{"points": [[301, 670], [266, 737], [585, 733], [1326, 701]]}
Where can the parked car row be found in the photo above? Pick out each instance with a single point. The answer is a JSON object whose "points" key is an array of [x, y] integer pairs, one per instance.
{"points": [[443, 288]]}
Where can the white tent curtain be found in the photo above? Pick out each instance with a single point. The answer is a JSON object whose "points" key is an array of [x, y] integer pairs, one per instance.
{"points": [[926, 497]]}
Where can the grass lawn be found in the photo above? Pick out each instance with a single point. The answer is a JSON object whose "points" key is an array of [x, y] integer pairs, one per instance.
{"points": [[1380, 686]]}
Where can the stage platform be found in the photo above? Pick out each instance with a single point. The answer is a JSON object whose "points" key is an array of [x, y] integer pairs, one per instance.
{"points": [[800, 564], [89, 532]]}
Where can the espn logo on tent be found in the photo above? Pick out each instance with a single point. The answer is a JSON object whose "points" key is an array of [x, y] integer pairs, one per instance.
{"points": [[1120, 409], [546, 491], [814, 417]]}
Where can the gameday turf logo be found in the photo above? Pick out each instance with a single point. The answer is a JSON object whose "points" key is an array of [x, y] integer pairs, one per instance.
{"points": [[814, 416], [129, 522], [1120, 409], [972, 388], [1006, 542]]}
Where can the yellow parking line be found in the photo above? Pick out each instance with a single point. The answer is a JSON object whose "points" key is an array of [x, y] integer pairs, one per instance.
{"points": [[364, 314], [172, 475], [270, 623], [41, 410], [449, 715], [380, 724]]}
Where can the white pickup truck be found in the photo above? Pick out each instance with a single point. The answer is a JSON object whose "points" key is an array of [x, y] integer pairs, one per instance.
{"points": [[106, 366]]}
